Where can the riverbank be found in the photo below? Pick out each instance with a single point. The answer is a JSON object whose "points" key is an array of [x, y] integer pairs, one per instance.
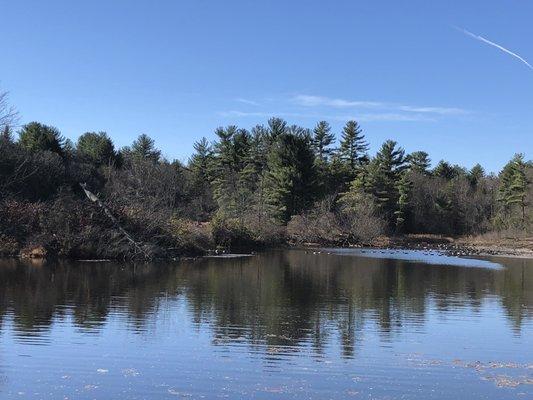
{"points": [[491, 244], [484, 245]]}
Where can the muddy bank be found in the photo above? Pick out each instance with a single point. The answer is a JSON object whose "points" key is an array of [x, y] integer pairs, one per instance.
{"points": [[459, 246]]}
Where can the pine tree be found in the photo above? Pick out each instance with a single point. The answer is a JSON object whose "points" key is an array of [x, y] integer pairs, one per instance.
{"points": [[353, 146], [514, 187], [235, 172], [276, 127], [385, 172], [200, 166], [476, 174], [444, 170], [419, 162], [322, 140], [96, 148], [201, 163], [143, 148], [402, 211], [247, 174], [39, 137], [224, 171], [200, 160], [6, 134], [260, 146], [290, 176], [518, 189], [69, 150]]}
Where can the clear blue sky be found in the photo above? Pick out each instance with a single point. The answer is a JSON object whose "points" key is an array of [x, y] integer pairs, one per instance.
{"points": [[178, 69]]}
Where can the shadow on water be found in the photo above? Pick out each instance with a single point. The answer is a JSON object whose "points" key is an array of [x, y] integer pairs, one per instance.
{"points": [[282, 298]]}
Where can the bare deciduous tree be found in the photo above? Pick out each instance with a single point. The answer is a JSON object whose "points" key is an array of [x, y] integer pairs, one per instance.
{"points": [[8, 114]]}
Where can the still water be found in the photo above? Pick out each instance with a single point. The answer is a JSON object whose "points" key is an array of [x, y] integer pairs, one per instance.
{"points": [[292, 324]]}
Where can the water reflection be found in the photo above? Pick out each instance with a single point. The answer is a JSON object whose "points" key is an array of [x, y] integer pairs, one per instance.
{"points": [[283, 299], [287, 324]]}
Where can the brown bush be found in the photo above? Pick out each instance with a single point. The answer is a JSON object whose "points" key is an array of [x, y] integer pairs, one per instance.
{"points": [[246, 233], [314, 227], [191, 237], [361, 226]]}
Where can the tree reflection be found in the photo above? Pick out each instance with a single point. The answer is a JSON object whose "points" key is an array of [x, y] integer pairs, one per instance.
{"points": [[288, 300]]}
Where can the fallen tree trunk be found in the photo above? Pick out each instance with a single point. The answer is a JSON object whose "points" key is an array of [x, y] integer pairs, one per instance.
{"points": [[92, 197]]}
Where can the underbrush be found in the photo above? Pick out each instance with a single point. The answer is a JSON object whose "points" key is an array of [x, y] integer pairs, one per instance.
{"points": [[70, 227], [237, 234]]}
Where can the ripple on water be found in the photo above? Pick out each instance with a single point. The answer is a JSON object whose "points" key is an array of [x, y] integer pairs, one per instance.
{"points": [[286, 324]]}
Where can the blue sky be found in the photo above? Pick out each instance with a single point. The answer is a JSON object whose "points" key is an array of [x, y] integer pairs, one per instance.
{"points": [[178, 69]]}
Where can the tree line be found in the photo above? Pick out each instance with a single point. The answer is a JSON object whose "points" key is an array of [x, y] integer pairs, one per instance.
{"points": [[271, 184]]}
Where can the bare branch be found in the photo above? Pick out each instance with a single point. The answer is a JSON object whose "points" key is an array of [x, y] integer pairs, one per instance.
{"points": [[9, 116]]}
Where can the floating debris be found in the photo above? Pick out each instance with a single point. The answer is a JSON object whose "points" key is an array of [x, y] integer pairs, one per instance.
{"points": [[506, 381], [178, 393], [500, 380], [130, 372]]}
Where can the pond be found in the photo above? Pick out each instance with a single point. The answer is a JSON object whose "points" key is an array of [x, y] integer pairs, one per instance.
{"points": [[294, 324]]}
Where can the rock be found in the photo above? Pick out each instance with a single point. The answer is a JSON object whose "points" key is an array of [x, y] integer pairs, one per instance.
{"points": [[36, 251]]}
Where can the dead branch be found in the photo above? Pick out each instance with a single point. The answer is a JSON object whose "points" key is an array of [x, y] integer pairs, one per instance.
{"points": [[91, 196]]}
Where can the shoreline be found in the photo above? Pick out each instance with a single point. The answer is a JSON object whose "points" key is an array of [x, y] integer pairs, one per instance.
{"points": [[460, 247]]}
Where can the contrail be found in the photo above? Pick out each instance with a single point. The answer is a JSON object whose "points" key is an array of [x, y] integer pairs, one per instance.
{"points": [[482, 39]]}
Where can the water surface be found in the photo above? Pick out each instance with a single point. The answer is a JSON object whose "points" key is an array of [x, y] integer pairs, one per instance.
{"points": [[290, 324]]}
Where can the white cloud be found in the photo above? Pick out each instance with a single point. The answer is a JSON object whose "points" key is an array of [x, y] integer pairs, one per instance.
{"points": [[362, 117], [247, 101], [264, 114], [237, 113], [433, 110], [314, 101], [322, 108], [369, 117], [321, 101]]}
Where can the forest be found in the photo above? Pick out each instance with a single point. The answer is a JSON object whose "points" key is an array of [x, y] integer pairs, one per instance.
{"points": [[271, 185]]}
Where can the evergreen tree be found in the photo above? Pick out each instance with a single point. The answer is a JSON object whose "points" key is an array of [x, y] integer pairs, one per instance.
{"points": [[402, 211], [476, 174], [96, 148], [391, 158], [235, 175], [247, 173], [290, 177], [200, 166], [69, 150], [39, 137], [260, 146], [143, 148], [322, 140], [384, 174], [224, 170], [444, 170], [518, 190], [353, 146], [419, 162], [201, 159], [6, 134], [276, 127], [514, 187]]}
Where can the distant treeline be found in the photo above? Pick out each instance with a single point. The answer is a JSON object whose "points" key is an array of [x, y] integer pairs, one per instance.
{"points": [[271, 184]]}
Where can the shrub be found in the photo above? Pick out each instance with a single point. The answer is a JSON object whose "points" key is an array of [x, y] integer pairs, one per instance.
{"points": [[246, 233], [314, 227], [191, 237]]}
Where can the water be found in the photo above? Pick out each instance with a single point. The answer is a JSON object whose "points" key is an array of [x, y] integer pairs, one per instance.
{"points": [[280, 325]]}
